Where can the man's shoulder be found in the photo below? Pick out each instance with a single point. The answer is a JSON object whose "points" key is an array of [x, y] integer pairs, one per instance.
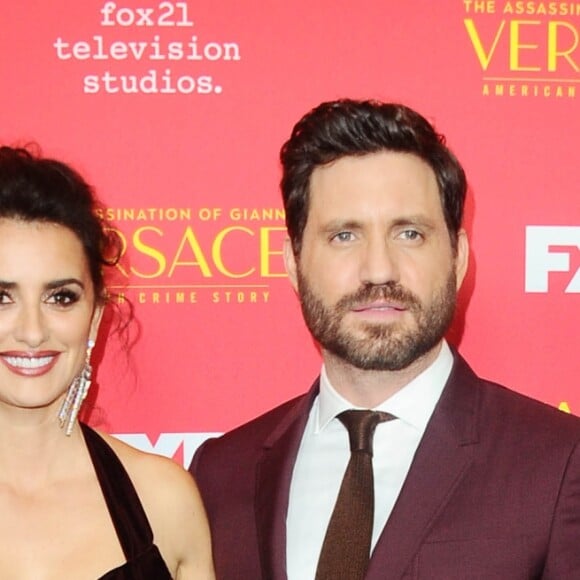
{"points": [[249, 438], [519, 412], [261, 426], [501, 409]]}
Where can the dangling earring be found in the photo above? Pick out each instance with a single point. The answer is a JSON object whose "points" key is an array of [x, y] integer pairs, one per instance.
{"points": [[76, 394]]}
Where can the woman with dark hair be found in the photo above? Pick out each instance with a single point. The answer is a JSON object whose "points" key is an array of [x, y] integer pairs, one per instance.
{"points": [[75, 503]]}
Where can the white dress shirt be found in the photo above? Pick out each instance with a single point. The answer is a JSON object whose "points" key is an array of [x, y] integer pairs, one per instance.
{"points": [[324, 453]]}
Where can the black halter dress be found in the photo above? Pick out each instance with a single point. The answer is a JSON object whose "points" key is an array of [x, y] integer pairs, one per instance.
{"points": [[144, 561]]}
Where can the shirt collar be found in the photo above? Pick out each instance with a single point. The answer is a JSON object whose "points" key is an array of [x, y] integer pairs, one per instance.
{"points": [[413, 404]]}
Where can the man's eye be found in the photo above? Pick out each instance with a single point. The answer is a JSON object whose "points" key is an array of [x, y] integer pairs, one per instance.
{"points": [[411, 235], [343, 237]]}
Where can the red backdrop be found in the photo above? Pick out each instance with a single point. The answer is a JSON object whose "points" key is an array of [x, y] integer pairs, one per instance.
{"points": [[176, 111]]}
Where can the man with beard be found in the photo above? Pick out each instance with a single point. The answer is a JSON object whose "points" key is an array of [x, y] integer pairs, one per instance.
{"points": [[467, 480]]}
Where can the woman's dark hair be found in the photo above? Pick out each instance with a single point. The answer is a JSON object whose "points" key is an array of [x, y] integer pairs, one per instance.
{"points": [[347, 127], [37, 189]]}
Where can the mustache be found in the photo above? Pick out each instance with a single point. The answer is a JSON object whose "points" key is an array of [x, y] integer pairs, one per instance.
{"points": [[390, 291]]}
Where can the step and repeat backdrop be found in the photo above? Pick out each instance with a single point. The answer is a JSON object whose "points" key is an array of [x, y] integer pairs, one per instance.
{"points": [[176, 111]]}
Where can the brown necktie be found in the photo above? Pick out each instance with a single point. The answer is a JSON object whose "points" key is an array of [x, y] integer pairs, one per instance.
{"points": [[347, 544]]}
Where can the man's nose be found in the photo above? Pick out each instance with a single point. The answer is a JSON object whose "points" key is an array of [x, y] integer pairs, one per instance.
{"points": [[379, 263]]}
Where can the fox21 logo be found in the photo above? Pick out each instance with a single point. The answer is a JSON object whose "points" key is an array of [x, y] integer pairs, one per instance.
{"points": [[551, 250]]}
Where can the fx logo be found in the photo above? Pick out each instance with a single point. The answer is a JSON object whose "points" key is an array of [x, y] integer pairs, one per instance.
{"points": [[180, 446], [552, 249]]}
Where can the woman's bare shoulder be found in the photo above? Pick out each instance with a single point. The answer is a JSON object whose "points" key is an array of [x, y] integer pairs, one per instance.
{"points": [[173, 506], [149, 469]]}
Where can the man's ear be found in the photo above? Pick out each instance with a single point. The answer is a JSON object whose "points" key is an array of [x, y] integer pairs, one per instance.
{"points": [[462, 257], [290, 263]]}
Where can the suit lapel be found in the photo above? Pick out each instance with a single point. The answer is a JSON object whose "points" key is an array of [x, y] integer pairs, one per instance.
{"points": [[441, 461], [273, 477]]}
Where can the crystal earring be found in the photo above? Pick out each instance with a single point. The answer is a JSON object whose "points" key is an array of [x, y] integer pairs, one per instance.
{"points": [[76, 394]]}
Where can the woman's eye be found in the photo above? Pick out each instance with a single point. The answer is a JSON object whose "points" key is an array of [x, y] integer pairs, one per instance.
{"points": [[63, 297], [5, 298]]}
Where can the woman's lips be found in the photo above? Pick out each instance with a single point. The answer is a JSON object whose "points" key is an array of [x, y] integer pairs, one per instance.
{"points": [[29, 364]]}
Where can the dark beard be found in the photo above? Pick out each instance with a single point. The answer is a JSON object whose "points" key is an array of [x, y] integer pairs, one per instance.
{"points": [[384, 347]]}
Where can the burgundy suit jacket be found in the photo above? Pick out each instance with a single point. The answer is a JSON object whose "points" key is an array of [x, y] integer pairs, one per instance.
{"points": [[493, 492]]}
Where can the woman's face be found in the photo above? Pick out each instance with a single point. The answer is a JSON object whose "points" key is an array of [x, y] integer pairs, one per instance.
{"points": [[48, 312]]}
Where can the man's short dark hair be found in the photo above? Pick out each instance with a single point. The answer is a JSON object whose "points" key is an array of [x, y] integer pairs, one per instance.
{"points": [[348, 127]]}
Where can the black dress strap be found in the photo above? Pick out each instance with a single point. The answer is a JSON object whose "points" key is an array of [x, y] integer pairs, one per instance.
{"points": [[127, 513]]}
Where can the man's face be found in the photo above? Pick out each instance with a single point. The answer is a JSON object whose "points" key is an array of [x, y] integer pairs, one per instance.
{"points": [[377, 276]]}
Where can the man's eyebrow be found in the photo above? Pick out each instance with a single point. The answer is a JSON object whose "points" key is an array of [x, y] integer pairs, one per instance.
{"points": [[349, 224], [339, 224], [414, 220]]}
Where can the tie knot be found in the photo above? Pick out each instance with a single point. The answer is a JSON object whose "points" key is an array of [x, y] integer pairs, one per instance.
{"points": [[361, 427]]}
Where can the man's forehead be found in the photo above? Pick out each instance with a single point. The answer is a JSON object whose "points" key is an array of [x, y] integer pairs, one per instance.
{"points": [[377, 180]]}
